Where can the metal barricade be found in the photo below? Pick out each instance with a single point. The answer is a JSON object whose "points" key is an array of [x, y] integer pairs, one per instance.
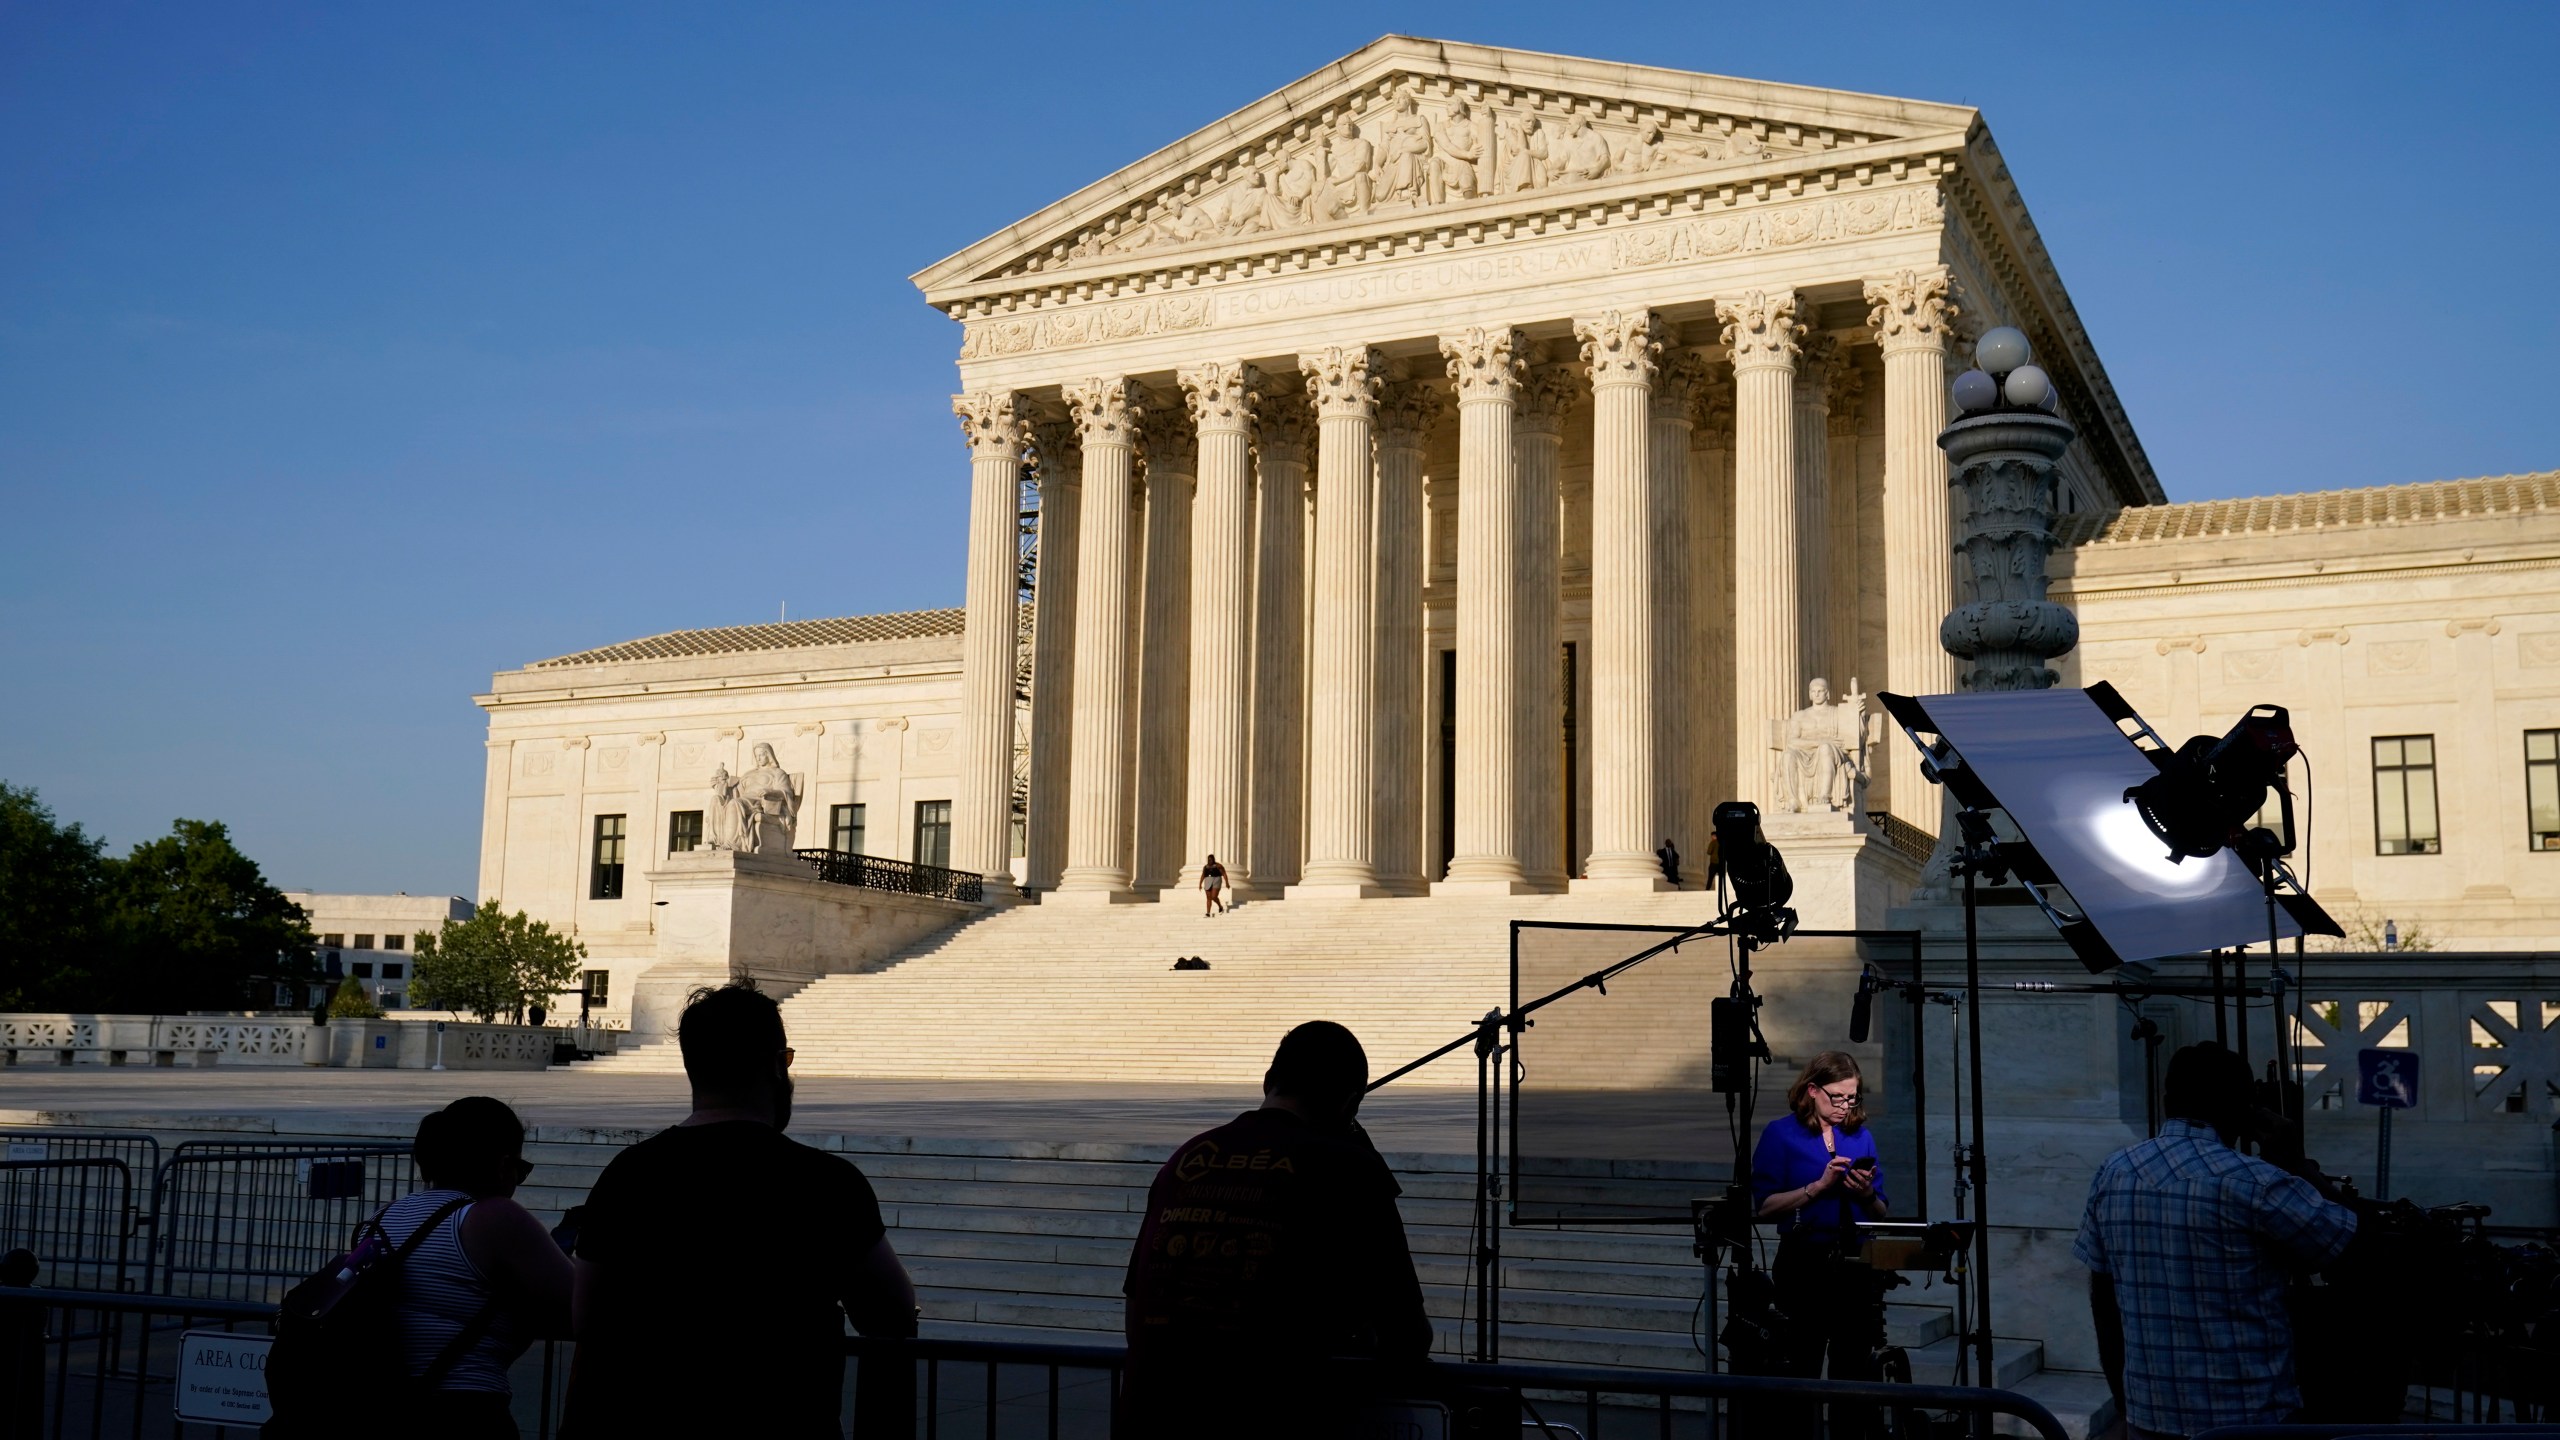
{"points": [[76, 1216], [245, 1220]]}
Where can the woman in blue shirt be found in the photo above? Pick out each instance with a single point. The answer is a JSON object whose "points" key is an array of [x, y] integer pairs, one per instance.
{"points": [[1816, 1174]]}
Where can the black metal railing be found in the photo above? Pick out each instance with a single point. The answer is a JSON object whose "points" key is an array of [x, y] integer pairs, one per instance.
{"points": [[96, 1363], [870, 872]]}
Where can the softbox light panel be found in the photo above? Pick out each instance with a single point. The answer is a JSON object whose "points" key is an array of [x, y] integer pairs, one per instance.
{"points": [[2060, 768]]}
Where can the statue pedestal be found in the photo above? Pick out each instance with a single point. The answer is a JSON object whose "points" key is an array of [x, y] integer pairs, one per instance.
{"points": [[1847, 877]]}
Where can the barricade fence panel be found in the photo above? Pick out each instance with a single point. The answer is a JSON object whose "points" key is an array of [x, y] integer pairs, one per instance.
{"points": [[75, 1216], [1613, 1117], [245, 1220]]}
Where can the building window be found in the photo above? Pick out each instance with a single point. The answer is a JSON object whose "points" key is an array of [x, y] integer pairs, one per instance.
{"points": [[332, 942], [361, 970], [606, 883], [392, 999], [363, 942], [844, 829], [933, 833], [391, 972], [2404, 796], [599, 986], [395, 942], [2542, 789], [684, 831]]}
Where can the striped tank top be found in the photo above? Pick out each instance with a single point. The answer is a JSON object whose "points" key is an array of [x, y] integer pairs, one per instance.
{"points": [[440, 1291]]}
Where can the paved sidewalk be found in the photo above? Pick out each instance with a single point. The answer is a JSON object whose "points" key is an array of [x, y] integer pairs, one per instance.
{"points": [[1425, 1120]]}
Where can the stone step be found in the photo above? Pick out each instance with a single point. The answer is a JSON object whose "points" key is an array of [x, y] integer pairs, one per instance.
{"points": [[2011, 1360]]}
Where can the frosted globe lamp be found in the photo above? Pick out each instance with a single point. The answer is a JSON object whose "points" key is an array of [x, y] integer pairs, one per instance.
{"points": [[1976, 392], [2002, 350], [2028, 388]]}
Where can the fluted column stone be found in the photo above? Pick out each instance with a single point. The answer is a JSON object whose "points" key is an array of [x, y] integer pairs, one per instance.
{"points": [[1845, 649], [1677, 682], [1485, 369], [1059, 474], [1220, 397], [1107, 417], [1622, 349], [1406, 410], [1164, 647], [1761, 333], [1911, 312], [1538, 439], [982, 809], [1816, 357], [1284, 431], [1343, 382], [1711, 528]]}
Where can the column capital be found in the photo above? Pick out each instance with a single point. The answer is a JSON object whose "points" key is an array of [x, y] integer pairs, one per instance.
{"points": [[1622, 347], [1283, 426], [1344, 379], [1676, 386], [1171, 444], [1406, 409], [1057, 454], [1486, 362], [1545, 395], [1220, 394], [1760, 329], [1848, 386], [1912, 309], [992, 420], [1711, 405], [1817, 358], [1107, 409]]}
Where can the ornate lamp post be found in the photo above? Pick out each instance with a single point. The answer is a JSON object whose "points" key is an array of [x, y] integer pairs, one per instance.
{"points": [[2002, 450]]}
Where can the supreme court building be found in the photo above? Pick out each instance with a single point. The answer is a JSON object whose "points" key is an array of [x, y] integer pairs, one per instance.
{"points": [[1448, 474]]}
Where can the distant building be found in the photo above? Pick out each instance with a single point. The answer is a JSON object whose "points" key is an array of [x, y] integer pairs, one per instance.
{"points": [[370, 938]]}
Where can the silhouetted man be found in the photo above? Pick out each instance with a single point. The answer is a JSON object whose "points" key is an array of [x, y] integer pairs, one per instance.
{"points": [[1270, 1243], [719, 1260], [2190, 1247]]}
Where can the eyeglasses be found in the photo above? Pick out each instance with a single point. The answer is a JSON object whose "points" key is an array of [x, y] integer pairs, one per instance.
{"points": [[789, 1055], [523, 1169], [1849, 1101]]}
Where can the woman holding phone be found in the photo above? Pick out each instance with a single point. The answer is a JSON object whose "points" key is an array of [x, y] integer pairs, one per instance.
{"points": [[1815, 1173]]}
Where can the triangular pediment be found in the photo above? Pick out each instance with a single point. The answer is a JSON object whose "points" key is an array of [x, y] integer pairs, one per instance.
{"points": [[1406, 130]]}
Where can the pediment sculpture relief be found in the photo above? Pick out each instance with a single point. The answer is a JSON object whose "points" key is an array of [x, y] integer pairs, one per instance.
{"points": [[1416, 145]]}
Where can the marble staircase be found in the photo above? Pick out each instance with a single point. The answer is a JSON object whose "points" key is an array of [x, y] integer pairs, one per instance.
{"points": [[1052, 992]]}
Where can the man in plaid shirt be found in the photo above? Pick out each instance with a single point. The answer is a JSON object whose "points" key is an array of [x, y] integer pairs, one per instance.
{"points": [[2190, 1247]]}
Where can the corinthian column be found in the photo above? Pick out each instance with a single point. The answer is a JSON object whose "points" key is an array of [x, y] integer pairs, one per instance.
{"points": [[1814, 598], [1164, 651], [1910, 315], [1059, 474], [1279, 636], [982, 812], [1623, 348], [1538, 720], [1405, 414], [1107, 417], [1343, 382], [1485, 370], [1760, 330], [1711, 530], [1221, 401], [1678, 684]]}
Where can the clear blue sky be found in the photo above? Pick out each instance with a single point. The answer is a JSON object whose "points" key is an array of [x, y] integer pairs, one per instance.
{"points": [[351, 352]]}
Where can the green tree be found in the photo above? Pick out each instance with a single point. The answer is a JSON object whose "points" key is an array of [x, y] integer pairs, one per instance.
{"points": [[194, 925], [492, 964], [353, 1002], [51, 879]]}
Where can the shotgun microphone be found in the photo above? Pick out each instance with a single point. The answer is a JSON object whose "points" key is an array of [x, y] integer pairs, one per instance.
{"points": [[1862, 1010]]}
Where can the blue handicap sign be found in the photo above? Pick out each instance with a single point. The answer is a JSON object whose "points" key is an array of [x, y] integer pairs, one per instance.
{"points": [[2388, 1078]]}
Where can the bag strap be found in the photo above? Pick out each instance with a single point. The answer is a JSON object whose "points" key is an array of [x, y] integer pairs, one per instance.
{"points": [[426, 1227]]}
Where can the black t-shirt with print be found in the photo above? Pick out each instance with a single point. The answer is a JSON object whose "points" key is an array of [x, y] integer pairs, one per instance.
{"points": [[724, 1255]]}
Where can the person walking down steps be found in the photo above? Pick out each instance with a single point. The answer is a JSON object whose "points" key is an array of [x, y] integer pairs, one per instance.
{"points": [[1213, 886]]}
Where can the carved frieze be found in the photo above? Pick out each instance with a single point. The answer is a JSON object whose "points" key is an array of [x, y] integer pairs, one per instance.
{"points": [[1417, 143]]}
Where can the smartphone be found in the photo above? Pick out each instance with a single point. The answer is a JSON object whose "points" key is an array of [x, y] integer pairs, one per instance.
{"points": [[1863, 1162]]}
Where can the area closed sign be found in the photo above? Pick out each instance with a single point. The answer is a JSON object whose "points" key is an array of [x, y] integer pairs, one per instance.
{"points": [[222, 1378]]}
